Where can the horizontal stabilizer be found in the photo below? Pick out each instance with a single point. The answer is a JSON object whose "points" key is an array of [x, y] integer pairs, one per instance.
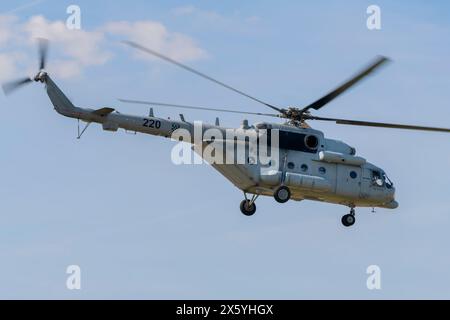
{"points": [[103, 111]]}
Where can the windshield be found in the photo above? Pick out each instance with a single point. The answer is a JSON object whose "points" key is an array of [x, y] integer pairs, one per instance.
{"points": [[380, 179], [389, 183]]}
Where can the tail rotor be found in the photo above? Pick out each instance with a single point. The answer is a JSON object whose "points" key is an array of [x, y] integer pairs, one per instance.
{"points": [[10, 87]]}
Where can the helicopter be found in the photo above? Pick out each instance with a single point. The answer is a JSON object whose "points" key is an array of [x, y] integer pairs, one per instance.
{"points": [[308, 166]]}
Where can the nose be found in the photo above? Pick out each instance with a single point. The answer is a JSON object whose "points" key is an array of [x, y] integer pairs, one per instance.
{"points": [[391, 203], [391, 193]]}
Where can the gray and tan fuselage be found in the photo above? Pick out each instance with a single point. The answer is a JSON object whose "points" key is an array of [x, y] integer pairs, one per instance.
{"points": [[330, 172]]}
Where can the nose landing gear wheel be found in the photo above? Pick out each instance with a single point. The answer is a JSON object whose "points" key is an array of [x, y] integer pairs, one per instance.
{"points": [[282, 194], [248, 208]]}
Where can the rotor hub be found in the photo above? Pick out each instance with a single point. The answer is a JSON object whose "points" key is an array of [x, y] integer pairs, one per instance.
{"points": [[296, 116], [41, 76]]}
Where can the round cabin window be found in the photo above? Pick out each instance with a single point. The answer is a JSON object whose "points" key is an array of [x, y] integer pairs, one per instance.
{"points": [[353, 175], [304, 167], [290, 165], [322, 170], [312, 142]]}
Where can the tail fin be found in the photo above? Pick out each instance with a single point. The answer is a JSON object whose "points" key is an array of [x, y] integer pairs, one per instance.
{"points": [[59, 100]]}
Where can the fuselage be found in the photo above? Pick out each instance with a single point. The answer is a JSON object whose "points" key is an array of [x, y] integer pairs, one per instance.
{"points": [[327, 171], [312, 166]]}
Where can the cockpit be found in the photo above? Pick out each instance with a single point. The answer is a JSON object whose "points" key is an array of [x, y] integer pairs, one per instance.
{"points": [[380, 179], [380, 189]]}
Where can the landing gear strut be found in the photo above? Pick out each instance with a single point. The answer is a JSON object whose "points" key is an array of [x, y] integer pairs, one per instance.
{"points": [[349, 219], [248, 207], [282, 194]]}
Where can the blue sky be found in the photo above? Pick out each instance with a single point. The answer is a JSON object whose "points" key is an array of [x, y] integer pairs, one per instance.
{"points": [[141, 227]]}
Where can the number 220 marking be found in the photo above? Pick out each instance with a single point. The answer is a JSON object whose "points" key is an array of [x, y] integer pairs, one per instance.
{"points": [[150, 123]]}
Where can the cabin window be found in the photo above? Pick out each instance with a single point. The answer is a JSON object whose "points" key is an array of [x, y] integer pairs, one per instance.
{"points": [[304, 167], [291, 165], [353, 174], [322, 170]]}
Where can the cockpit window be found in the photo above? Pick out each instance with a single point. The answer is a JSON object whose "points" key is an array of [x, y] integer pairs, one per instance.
{"points": [[389, 183], [377, 178], [380, 179]]}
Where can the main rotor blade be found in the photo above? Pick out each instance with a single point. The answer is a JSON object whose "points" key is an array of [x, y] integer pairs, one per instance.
{"points": [[380, 60], [170, 105], [9, 87], [43, 50], [380, 124], [185, 67]]}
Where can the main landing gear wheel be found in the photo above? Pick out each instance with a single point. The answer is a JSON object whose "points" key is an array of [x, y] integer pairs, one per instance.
{"points": [[349, 219], [282, 194], [248, 207]]}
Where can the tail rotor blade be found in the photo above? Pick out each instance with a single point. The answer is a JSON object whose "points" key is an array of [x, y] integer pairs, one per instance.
{"points": [[43, 45], [9, 87], [43, 50]]}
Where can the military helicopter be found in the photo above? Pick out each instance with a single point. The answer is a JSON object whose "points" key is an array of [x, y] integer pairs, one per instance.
{"points": [[309, 165]]}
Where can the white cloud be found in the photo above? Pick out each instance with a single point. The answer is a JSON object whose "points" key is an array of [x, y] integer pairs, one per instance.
{"points": [[156, 36], [6, 30], [74, 50], [80, 48], [7, 66], [66, 68]]}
